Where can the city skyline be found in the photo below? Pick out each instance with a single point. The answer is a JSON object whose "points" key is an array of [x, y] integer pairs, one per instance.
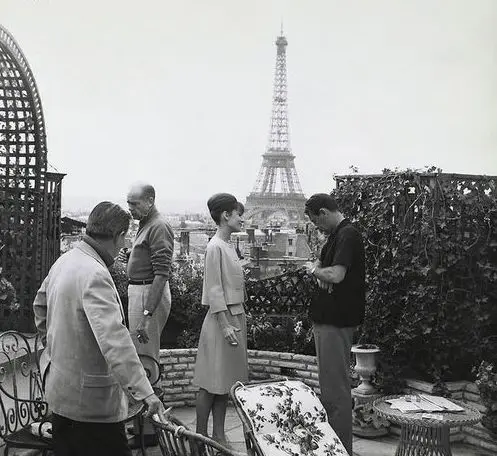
{"points": [[179, 94]]}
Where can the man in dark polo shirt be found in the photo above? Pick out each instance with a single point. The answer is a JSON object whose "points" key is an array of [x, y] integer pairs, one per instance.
{"points": [[336, 309], [149, 270]]}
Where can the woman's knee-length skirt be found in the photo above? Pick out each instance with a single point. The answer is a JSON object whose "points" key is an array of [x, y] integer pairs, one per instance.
{"points": [[220, 365]]}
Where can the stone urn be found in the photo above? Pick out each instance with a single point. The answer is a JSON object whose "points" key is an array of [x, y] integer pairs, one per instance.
{"points": [[365, 366], [365, 422]]}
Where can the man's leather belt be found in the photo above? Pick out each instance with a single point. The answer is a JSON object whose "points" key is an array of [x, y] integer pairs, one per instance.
{"points": [[140, 282]]}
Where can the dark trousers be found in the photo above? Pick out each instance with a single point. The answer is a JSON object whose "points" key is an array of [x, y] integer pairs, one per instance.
{"points": [[333, 347], [76, 438]]}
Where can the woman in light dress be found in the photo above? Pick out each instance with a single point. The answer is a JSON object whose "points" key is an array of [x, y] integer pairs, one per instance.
{"points": [[222, 350]]}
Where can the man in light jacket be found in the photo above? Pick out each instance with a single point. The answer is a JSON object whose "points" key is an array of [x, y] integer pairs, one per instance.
{"points": [[90, 364]]}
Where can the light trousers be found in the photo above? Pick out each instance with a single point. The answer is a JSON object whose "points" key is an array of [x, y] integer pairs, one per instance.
{"points": [[137, 299]]}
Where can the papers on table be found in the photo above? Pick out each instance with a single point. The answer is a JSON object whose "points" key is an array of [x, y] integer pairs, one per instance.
{"points": [[443, 402], [423, 403], [413, 404]]}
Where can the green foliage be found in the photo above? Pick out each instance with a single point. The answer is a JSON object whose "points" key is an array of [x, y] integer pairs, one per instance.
{"points": [[20, 265], [431, 251], [18, 262], [486, 380], [280, 333], [187, 313], [9, 307], [120, 279]]}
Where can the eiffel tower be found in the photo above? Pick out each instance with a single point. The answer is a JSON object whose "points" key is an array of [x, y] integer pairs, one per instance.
{"points": [[277, 198]]}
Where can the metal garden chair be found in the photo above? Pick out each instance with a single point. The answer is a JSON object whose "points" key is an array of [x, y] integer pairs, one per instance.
{"points": [[22, 400]]}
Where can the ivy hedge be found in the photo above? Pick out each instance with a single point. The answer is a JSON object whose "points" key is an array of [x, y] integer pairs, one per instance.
{"points": [[431, 254], [187, 313]]}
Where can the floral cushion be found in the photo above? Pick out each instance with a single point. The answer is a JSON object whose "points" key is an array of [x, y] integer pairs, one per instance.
{"points": [[288, 419]]}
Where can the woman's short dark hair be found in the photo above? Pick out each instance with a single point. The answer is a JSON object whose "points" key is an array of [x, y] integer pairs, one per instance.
{"points": [[107, 220], [221, 202], [320, 201]]}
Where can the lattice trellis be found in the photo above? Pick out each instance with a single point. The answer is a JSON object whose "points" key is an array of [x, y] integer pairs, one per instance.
{"points": [[286, 294], [29, 196]]}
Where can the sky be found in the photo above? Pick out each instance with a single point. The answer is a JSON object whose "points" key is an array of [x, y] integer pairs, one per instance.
{"points": [[178, 93]]}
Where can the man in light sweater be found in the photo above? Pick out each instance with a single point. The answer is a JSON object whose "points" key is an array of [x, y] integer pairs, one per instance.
{"points": [[149, 269]]}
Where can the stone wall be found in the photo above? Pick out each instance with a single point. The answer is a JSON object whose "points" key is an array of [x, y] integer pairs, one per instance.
{"points": [[177, 375], [178, 365]]}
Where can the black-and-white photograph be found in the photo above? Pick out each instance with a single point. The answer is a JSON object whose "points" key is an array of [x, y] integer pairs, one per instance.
{"points": [[260, 228]]}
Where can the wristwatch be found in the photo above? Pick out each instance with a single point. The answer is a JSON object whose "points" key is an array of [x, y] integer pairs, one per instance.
{"points": [[147, 313]]}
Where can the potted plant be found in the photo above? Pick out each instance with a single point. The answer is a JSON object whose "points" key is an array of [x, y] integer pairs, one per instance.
{"points": [[486, 381]]}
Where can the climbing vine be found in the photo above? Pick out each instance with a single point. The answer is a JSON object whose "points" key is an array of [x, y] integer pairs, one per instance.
{"points": [[431, 254]]}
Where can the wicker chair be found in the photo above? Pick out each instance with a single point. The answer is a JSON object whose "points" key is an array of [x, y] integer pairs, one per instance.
{"points": [[175, 439], [284, 417]]}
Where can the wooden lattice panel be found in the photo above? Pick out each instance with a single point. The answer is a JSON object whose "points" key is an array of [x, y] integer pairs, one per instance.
{"points": [[286, 294], [23, 190]]}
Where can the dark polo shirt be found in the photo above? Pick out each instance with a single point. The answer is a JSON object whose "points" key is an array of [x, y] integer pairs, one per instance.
{"points": [[344, 305]]}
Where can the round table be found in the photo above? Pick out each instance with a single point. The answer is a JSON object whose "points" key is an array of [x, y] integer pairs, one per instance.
{"points": [[424, 435]]}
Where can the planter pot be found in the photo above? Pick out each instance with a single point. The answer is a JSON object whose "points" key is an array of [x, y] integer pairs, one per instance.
{"points": [[365, 366], [365, 422]]}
